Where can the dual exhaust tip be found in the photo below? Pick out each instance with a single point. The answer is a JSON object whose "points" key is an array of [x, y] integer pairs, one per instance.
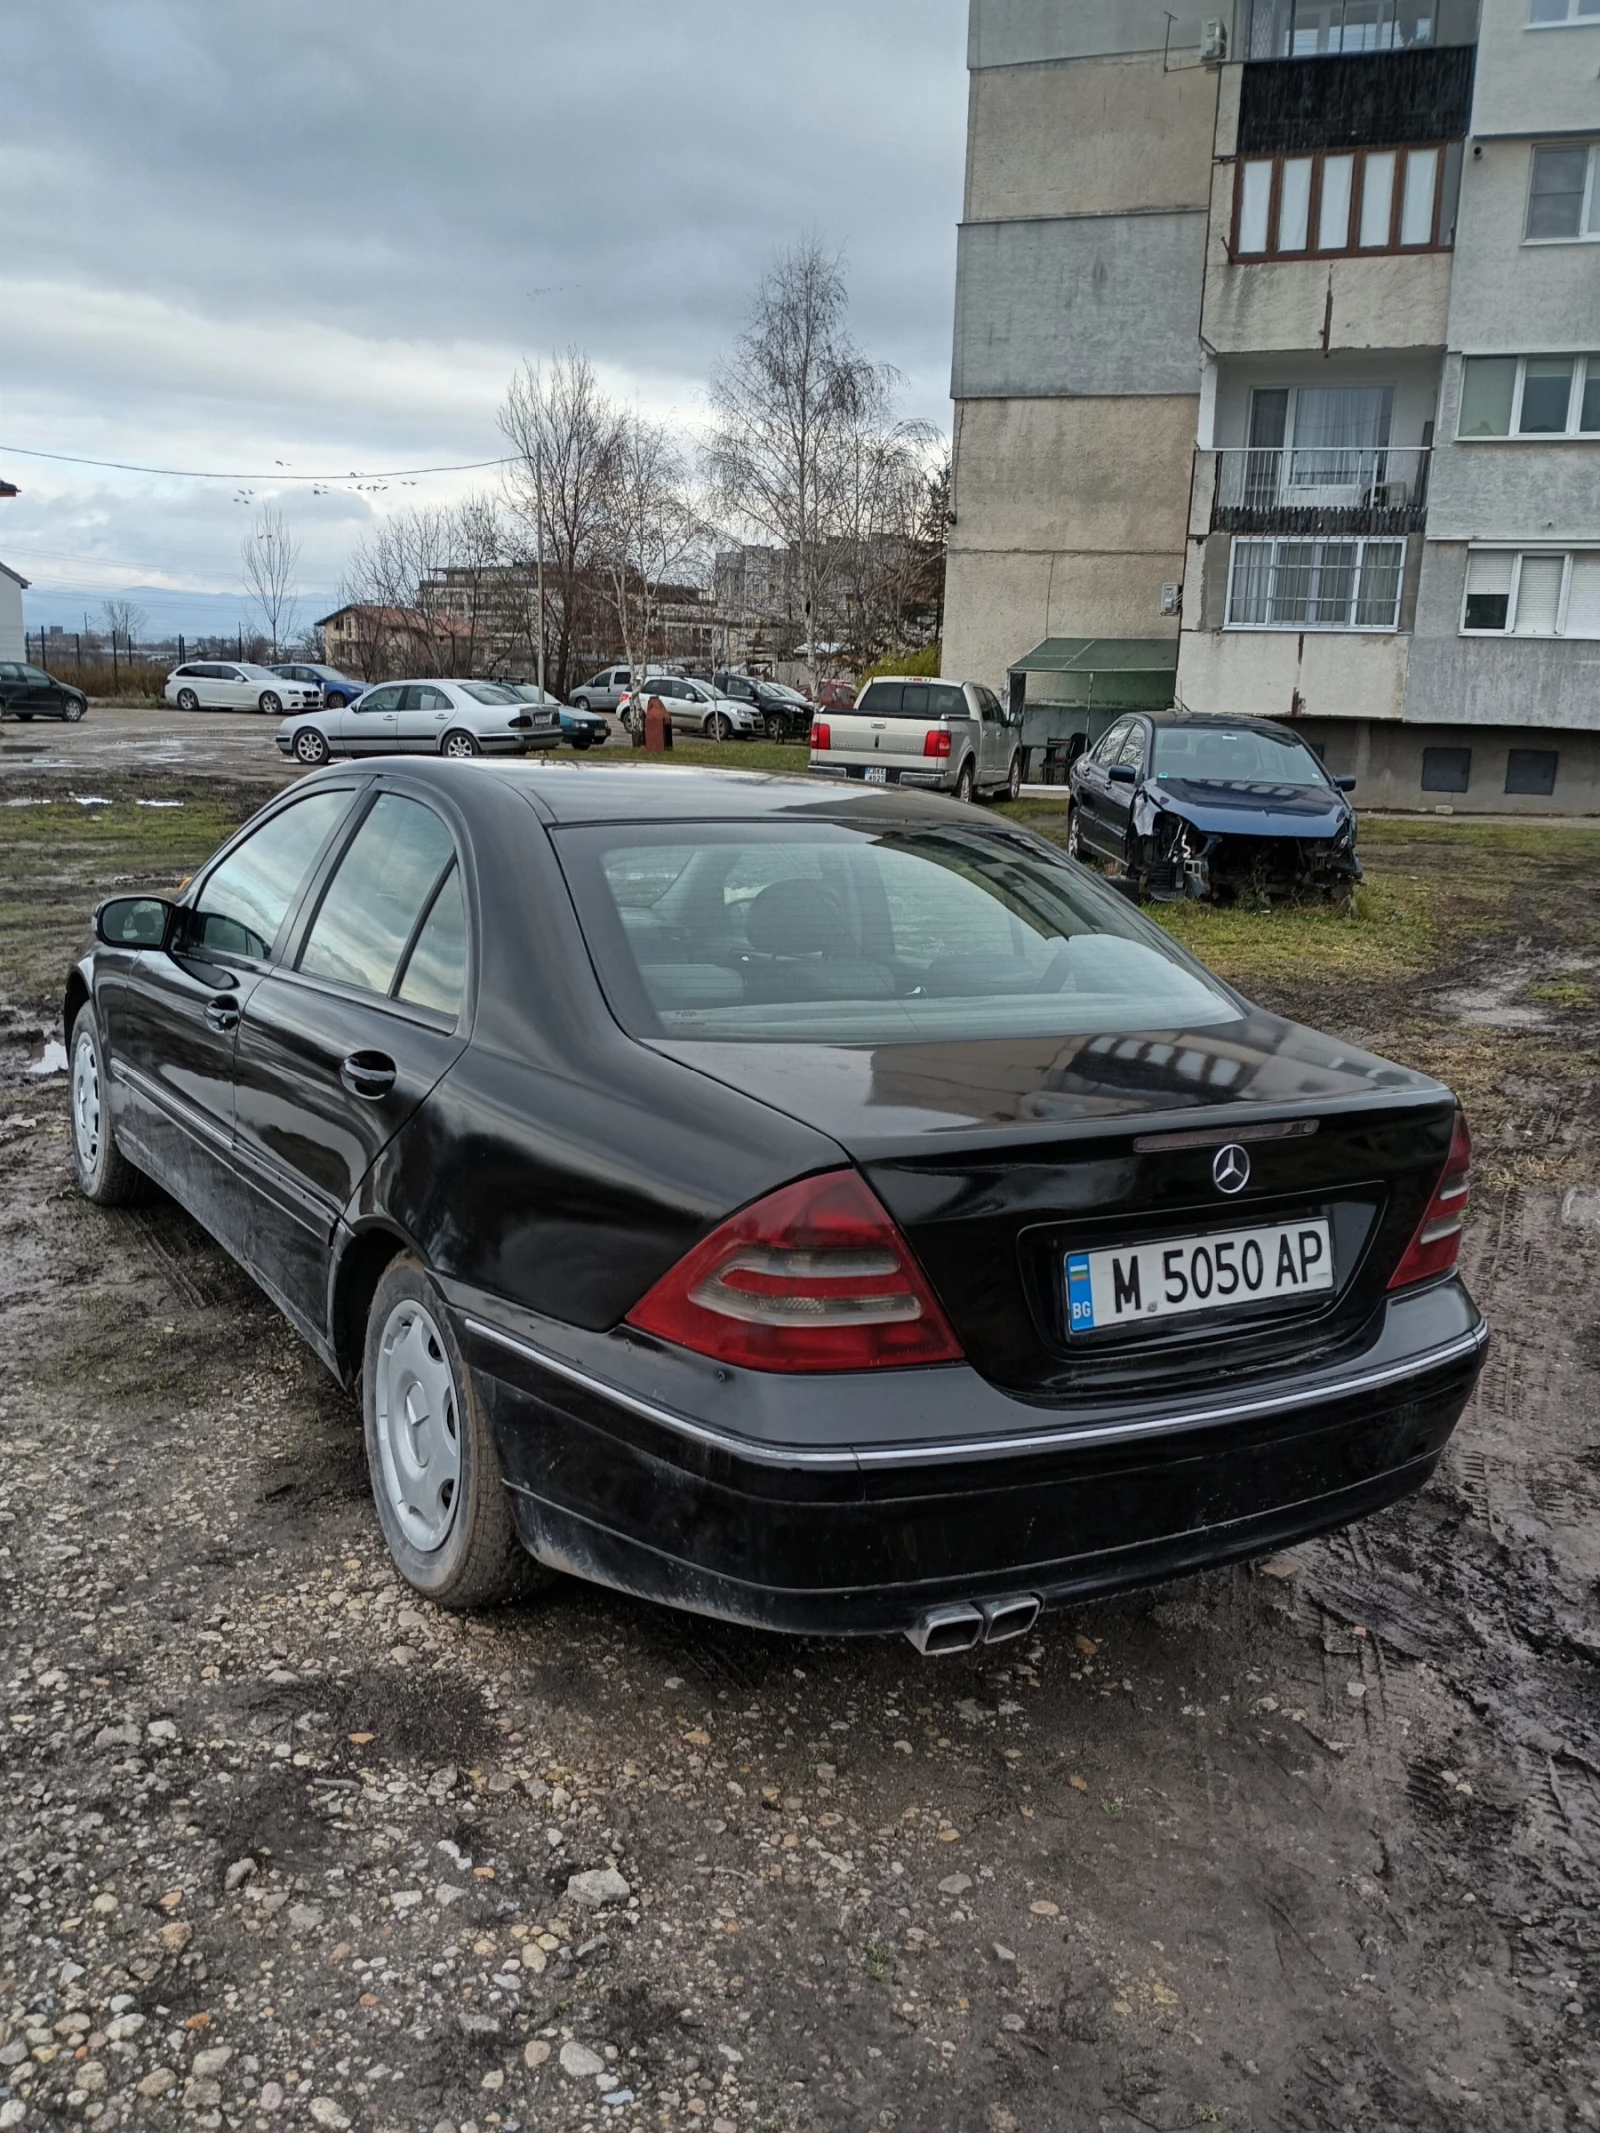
{"points": [[960, 1624]]}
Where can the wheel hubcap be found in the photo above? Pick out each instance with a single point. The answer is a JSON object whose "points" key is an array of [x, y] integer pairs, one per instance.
{"points": [[419, 1427], [86, 1103]]}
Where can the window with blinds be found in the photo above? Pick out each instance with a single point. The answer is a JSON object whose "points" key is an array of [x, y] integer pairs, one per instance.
{"points": [[1535, 592]]}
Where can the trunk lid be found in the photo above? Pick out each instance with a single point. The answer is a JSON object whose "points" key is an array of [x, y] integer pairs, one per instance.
{"points": [[998, 1158]]}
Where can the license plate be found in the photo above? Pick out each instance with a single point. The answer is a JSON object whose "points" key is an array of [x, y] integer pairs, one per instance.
{"points": [[1128, 1285], [876, 774]]}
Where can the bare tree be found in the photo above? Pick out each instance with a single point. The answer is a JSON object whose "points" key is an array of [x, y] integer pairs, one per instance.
{"points": [[268, 559], [789, 410], [892, 563], [125, 620], [652, 532], [564, 433]]}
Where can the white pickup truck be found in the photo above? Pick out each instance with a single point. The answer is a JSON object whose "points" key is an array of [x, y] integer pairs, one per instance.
{"points": [[946, 736]]}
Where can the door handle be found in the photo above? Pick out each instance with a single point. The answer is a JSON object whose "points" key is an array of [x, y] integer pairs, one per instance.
{"points": [[368, 1074], [223, 1014]]}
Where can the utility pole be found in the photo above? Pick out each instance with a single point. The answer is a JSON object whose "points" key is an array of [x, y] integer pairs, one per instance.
{"points": [[538, 494]]}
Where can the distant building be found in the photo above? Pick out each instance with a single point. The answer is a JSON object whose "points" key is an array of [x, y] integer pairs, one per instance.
{"points": [[1277, 379], [377, 643], [13, 638]]}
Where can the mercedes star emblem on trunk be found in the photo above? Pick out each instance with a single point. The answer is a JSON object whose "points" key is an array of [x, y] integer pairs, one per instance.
{"points": [[1230, 1169]]}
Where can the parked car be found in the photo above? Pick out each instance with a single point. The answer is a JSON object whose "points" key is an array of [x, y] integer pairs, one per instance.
{"points": [[584, 729], [29, 692], [1202, 806], [455, 718], [832, 1211], [785, 713], [697, 707], [336, 688], [836, 695], [552, 716], [236, 685], [605, 691], [949, 736]]}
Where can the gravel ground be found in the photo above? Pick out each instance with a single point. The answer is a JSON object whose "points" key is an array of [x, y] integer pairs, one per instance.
{"points": [[1313, 1844]]}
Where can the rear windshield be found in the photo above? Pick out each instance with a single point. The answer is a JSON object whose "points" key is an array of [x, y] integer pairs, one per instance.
{"points": [[1235, 755], [912, 699], [867, 935], [490, 692]]}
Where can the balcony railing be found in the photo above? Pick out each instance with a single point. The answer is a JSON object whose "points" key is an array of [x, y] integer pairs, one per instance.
{"points": [[1322, 489]]}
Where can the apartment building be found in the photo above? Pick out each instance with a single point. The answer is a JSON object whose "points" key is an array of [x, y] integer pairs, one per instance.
{"points": [[1277, 380]]}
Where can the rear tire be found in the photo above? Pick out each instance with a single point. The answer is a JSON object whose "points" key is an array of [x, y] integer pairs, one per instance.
{"points": [[458, 745], [580, 740], [1075, 839], [311, 748], [965, 783], [441, 1499], [187, 700], [104, 1173], [73, 712], [25, 718]]}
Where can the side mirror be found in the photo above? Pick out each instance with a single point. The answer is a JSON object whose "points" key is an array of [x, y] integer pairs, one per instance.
{"points": [[134, 922], [1345, 784], [1123, 774]]}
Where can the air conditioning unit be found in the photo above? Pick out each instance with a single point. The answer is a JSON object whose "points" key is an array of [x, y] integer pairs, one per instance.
{"points": [[1213, 41], [1171, 599]]}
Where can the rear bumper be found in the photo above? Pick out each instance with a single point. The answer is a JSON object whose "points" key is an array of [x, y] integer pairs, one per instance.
{"points": [[929, 780], [947, 1489]]}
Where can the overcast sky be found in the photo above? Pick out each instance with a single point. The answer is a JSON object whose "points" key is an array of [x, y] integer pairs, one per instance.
{"points": [[324, 231]]}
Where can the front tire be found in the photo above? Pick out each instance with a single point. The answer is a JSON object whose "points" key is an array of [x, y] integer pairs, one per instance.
{"points": [[104, 1173], [580, 740], [187, 700], [441, 1500], [311, 748], [458, 745], [73, 712], [271, 703], [719, 726]]}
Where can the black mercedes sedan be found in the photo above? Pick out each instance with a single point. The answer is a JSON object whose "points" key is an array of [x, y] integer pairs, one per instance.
{"points": [[829, 1210]]}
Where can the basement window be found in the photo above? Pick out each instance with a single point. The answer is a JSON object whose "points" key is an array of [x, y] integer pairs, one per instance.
{"points": [[1532, 772], [1446, 769]]}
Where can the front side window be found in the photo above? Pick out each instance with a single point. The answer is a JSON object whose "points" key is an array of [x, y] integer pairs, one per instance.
{"points": [[382, 887], [1532, 593], [244, 902], [1344, 201], [1315, 584], [387, 699], [830, 934], [1561, 196]]}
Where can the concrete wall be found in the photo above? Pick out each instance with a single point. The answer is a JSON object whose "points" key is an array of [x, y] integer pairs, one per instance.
{"points": [[1534, 80], [1493, 681], [12, 637], [1101, 304], [1338, 674], [1386, 762], [1009, 33], [1508, 297], [999, 605], [1103, 136], [1513, 488]]}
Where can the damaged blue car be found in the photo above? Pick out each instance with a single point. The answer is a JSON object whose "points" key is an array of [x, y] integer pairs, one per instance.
{"points": [[1185, 804]]}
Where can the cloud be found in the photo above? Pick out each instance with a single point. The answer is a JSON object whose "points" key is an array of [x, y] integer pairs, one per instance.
{"points": [[325, 234]]}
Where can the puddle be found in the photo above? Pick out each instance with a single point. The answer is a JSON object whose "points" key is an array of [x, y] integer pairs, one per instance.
{"points": [[30, 803], [1580, 1207], [158, 803], [51, 1058], [1493, 1002]]}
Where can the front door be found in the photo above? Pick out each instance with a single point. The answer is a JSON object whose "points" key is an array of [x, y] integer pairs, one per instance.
{"points": [[1117, 814], [171, 1018], [337, 1052], [370, 726], [1091, 787]]}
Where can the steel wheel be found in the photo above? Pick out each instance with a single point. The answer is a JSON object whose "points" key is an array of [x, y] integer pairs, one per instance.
{"points": [[418, 1412], [310, 747], [85, 1096], [272, 703], [458, 745]]}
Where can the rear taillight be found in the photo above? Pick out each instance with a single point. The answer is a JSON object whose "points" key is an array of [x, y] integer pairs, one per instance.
{"points": [[936, 742], [821, 737], [814, 1277], [1437, 1244]]}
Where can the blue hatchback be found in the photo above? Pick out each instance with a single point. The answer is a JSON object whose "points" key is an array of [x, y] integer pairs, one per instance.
{"points": [[1188, 805]]}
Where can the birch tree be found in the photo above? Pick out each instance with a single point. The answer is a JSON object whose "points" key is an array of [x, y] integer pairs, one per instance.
{"points": [[269, 558]]}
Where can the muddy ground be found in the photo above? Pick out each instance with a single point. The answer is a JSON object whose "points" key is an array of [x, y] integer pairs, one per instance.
{"points": [[1313, 1844]]}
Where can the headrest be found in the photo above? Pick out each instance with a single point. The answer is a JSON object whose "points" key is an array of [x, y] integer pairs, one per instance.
{"points": [[797, 917]]}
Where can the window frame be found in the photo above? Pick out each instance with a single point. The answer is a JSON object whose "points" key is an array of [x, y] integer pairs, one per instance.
{"points": [[1586, 371], [1318, 157], [1361, 542], [289, 925], [1590, 143], [1571, 20], [1540, 550]]}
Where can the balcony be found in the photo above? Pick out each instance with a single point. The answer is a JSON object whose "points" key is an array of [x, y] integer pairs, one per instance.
{"points": [[1321, 489]]}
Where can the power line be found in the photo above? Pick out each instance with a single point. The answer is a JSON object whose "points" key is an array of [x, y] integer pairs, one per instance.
{"points": [[122, 466]]}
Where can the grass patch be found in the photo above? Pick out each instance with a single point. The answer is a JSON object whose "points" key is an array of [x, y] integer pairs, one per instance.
{"points": [[1386, 932]]}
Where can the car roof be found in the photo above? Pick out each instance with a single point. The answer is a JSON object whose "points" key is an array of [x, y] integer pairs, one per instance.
{"points": [[943, 680], [1215, 720]]}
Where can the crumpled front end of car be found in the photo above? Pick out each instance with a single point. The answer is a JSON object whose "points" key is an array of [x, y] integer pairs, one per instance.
{"points": [[1180, 856]]}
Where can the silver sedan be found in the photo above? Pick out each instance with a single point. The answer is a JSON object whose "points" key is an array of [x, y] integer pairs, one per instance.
{"points": [[454, 718]]}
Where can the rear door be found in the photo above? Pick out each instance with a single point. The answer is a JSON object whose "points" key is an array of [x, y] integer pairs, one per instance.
{"points": [[336, 1052], [171, 1018], [423, 714]]}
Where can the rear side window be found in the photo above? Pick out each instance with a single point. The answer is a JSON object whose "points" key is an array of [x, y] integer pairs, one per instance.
{"points": [[382, 887], [437, 965], [247, 899]]}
